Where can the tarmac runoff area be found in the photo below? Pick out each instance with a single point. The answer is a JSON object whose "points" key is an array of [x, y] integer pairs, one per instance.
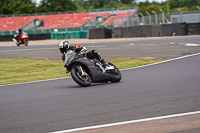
{"points": [[177, 123]]}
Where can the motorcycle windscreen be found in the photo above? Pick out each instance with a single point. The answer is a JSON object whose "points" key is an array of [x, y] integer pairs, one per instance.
{"points": [[69, 56]]}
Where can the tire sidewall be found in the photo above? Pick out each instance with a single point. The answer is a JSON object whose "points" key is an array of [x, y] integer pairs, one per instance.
{"points": [[78, 80]]}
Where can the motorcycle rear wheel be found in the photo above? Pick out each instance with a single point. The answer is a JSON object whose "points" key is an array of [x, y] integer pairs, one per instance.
{"points": [[82, 80]]}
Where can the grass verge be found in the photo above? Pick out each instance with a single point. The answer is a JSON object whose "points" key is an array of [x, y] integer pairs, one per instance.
{"points": [[18, 70]]}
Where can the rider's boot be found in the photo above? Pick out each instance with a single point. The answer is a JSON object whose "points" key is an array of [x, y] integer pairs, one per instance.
{"points": [[105, 64], [15, 40]]}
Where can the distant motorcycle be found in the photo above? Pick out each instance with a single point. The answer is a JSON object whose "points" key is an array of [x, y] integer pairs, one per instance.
{"points": [[85, 71], [22, 39]]}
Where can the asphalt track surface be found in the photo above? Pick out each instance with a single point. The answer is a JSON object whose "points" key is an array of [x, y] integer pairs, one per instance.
{"points": [[152, 91], [157, 90], [166, 47]]}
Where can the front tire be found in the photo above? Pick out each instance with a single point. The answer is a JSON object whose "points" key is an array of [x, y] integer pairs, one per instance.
{"points": [[26, 43], [82, 80], [18, 44]]}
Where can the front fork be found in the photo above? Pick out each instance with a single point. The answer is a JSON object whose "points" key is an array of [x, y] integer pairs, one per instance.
{"points": [[80, 70]]}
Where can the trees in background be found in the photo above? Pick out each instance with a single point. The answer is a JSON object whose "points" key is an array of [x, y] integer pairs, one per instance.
{"points": [[184, 5], [56, 6], [102, 4], [30, 6], [17, 6]]}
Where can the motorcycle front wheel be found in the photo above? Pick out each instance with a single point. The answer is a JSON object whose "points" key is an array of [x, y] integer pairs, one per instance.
{"points": [[18, 44], [26, 43], [80, 76]]}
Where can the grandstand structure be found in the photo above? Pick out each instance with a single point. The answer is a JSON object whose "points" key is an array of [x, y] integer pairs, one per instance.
{"points": [[40, 23]]}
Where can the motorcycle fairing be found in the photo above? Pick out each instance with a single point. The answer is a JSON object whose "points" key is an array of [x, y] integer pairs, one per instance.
{"points": [[94, 72]]}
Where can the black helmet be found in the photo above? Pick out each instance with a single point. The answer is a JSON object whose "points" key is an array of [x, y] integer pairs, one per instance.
{"points": [[20, 30], [63, 46]]}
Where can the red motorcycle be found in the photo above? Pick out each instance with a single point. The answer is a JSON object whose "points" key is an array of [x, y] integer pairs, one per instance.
{"points": [[22, 39]]}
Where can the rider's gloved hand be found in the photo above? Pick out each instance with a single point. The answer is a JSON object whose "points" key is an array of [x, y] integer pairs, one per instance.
{"points": [[83, 50], [63, 57]]}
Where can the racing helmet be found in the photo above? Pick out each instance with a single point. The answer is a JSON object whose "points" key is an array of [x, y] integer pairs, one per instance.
{"points": [[20, 30], [63, 46]]}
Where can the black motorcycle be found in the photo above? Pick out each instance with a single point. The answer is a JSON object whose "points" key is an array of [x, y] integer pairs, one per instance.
{"points": [[85, 71]]}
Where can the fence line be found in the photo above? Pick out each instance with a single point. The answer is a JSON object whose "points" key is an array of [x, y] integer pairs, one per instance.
{"points": [[136, 20], [140, 19]]}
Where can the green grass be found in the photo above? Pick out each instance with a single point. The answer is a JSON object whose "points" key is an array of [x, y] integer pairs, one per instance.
{"points": [[123, 63], [18, 70]]}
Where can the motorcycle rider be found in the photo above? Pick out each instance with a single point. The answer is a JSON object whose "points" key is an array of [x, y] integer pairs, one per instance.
{"points": [[18, 34], [64, 46]]}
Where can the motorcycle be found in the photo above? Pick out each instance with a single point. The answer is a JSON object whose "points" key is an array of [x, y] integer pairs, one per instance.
{"points": [[22, 39], [85, 71]]}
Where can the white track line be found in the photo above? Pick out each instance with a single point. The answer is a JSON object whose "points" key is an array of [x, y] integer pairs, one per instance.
{"points": [[178, 58], [192, 44], [127, 122]]}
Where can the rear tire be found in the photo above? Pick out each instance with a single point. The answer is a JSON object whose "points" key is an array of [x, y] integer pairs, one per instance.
{"points": [[82, 80]]}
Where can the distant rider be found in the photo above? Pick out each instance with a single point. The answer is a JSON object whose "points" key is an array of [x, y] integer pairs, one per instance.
{"points": [[64, 46], [19, 32]]}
